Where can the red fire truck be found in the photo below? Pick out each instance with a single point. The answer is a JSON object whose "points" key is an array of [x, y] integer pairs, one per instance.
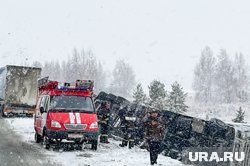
{"points": [[65, 113]]}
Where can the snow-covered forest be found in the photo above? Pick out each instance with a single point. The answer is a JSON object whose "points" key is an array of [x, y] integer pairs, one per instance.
{"points": [[120, 81], [220, 83], [220, 79], [221, 86], [83, 64]]}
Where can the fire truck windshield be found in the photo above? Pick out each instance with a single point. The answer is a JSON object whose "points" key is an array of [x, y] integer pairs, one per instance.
{"points": [[71, 103]]}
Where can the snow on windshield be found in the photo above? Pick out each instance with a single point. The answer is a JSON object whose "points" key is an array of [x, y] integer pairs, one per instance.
{"points": [[71, 102]]}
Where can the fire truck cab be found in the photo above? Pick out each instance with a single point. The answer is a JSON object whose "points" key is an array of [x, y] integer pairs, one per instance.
{"points": [[65, 113]]}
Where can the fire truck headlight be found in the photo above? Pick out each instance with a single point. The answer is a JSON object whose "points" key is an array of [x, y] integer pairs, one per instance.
{"points": [[55, 124], [93, 125]]}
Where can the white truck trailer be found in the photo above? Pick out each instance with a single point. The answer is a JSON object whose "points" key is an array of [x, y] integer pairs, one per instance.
{"points": [[18, 89]]}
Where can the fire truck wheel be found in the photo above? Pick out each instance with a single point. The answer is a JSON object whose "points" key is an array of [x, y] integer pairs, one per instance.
{"points": [[94, 145], [46, 142], [38, 138]]}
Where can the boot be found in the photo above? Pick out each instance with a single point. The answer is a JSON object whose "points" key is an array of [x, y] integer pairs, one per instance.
{"points": [[105, 139], [131, 144], [102, 139], [124, 143]]}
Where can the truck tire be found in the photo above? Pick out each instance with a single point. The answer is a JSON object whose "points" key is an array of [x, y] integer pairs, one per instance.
{"points": [[38, 138], [1, 115], [219, 123], [94, 145], [1, 110]]}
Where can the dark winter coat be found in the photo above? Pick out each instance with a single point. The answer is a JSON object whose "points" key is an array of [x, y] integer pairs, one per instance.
{"points": [[154, 129], [127, 120], [103, 115]]}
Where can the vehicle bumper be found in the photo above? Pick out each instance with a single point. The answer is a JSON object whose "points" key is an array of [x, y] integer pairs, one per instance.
{"points": [[85, 136], [18, 110]]}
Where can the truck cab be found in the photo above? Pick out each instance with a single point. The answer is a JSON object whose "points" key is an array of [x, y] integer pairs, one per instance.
{"points": [[65, 113]]}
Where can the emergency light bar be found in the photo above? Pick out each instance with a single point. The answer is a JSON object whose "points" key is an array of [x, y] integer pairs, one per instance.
{"points": [[45, 83], [85, 84], [79, 85]]}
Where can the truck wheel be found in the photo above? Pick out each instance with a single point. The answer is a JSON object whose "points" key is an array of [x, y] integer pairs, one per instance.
{"points": [[219, 123], [29, 115], [38, 138], [46, 141], [94, 145], [1, 110]]}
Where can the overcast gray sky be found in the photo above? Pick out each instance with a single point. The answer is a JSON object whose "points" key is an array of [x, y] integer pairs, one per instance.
{"points": [[161, 39]]}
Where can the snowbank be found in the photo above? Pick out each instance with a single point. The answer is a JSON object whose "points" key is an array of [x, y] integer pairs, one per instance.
{"points": [[224, 112], [106, 155]]}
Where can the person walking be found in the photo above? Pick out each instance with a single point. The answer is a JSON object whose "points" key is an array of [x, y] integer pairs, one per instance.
{"points": [[154, 135]]}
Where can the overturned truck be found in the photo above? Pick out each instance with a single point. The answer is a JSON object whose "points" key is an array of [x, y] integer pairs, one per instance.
{"points": [[185, 134]]}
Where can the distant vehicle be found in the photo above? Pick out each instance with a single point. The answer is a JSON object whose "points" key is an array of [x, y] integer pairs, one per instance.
{"points": [[18, 89], [65, 113]]}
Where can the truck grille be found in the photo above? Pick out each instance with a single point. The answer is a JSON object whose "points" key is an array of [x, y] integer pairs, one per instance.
{"points": [[75, 126]]}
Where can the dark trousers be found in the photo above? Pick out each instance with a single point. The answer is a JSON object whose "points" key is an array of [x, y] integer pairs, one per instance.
{"points": [[104, 133], [154, 149], [104, 128], [128, 138]]}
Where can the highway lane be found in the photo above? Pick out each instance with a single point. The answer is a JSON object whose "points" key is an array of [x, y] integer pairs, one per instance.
{"points": [[15, 152]]}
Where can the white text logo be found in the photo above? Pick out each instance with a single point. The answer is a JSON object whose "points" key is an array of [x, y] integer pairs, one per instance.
{"points": [[228, 156]]}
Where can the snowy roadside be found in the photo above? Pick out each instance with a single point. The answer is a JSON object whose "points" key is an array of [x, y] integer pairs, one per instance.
{"points": [[106, 155], [213, 110], [219, 111]]}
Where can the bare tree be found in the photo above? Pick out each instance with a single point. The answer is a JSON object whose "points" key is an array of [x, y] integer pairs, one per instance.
{"points": [[204, 76], [46, 70], [93, 70], [80, 65], [242, 78], [224, 78], [74, 67], [123, 79]]}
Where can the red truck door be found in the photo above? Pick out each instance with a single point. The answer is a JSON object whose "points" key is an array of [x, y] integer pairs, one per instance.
{"points": [[40, 117]]}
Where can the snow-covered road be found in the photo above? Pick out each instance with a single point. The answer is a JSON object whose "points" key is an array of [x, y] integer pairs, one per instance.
{"points": [[106, 155], [15, 152]]}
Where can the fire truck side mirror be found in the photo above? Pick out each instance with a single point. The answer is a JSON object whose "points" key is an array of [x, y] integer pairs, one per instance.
{"points": [[42, 110]]}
